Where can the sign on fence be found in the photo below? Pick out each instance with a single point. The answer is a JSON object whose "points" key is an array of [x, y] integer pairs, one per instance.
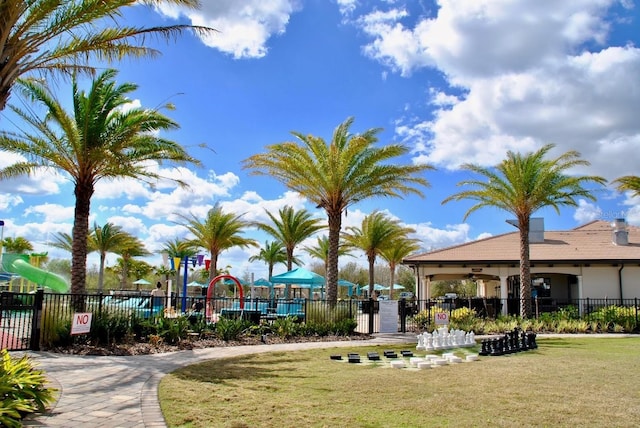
{"points": [[388, 311], [81, 323], [442, 318]]}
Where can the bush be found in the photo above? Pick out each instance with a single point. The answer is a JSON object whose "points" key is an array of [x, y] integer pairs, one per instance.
{"points": [[109, 328], [231, 329], [22, 390], [609, 316], [56, 328], [172, 330], [286, 327]]}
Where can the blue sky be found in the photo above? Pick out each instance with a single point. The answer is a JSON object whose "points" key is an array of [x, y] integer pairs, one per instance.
{"points": [[456, 80]]}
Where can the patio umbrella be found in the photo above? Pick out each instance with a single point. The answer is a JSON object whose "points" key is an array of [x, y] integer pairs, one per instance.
{"points": [[345, 283], [262, 283], [376, 287], [141, 282], [300, 276], [195, 284]]}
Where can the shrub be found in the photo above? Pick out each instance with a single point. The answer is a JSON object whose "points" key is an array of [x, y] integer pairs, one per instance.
{"points": [[109, 328], [344, 327], [172, 330], [322, 312], [22, 390], [612, 315], [231, 329], [56, 328], [286, 327]]}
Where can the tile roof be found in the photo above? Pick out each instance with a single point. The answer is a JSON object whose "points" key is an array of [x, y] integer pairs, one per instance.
{"points": [[591, 242]]}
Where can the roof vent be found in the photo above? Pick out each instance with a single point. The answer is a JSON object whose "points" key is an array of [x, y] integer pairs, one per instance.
{"points": [[536, 229], [620, 233]]}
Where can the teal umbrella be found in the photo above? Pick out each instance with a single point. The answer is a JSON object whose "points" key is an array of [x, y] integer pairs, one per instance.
{"points": [[345, 283], [262, 283], [299, 276], [376, 287]]}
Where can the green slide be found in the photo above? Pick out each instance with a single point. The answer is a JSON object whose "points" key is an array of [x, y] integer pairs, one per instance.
{"points": [[19, 264]]}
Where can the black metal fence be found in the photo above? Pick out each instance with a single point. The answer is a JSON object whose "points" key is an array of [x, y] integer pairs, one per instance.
{"points": [[27, 320]]}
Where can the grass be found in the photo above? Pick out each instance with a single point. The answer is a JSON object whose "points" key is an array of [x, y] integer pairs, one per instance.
{"points": [[564, 383]]}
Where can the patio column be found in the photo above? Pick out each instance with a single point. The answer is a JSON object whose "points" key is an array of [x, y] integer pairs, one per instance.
{"points": [[580, 296], [504, 294], [427, 287]]}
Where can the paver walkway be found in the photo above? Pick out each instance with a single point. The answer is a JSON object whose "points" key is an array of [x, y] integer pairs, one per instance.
{"points": [[114, 392]]}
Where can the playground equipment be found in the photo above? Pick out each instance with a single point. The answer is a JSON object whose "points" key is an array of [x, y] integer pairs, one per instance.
{"points": [[208, 306], [19, 264]]}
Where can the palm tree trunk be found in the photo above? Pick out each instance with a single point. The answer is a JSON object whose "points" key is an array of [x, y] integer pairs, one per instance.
{"points": [[213, 270], [525, 268], [83, 193], [335, 224], [372, 263], [101, 272], [289, 259], [393, 280]]}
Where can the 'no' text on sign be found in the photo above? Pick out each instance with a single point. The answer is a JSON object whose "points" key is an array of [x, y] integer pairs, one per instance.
{"points": [[81, 323], [442, 318]]}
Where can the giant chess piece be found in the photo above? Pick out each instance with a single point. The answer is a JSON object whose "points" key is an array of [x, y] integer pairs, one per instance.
{"points": [[532, 340], [420, 346], [429, 343], [486, 347]]}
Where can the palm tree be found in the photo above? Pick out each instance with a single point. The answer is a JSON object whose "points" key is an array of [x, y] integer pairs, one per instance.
{"points": [[218, 232], [178, 249], [291, 228], [629, 183], [128, 249], [321, 251], [272, 253], [337, 175], [63, 36], [521, 185], [62, 240], [376, 233], [395, 252], [98, 140], [17, 245], [106, 239]]}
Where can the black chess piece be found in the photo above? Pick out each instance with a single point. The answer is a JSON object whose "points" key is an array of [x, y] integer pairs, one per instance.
{"points": [[485, 350]]}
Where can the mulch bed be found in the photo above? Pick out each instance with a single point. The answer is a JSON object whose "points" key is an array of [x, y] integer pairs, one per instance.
{"points": [[139, 348]]}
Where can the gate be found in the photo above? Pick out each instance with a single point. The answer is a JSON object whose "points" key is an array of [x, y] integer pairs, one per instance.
{"points": [[20, 320]]}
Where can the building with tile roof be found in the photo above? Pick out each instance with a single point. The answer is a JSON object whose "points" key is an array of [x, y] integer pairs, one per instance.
{"points": [[598, 260]]}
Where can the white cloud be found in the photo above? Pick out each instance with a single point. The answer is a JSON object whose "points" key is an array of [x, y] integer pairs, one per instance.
{"points": [[347, 7], [132, 225], [244, 26], [520, 74], [433, 238], [8, 201], [54, 213], [587, 212], [42, 182]]}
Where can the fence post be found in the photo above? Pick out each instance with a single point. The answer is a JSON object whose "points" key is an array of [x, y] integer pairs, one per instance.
{"points": [[636, 306], [371, 315], [403, 315], [36, 320]]}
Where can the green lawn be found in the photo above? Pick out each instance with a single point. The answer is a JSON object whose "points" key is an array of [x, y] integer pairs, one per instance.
{"points": [[568, 382]]}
